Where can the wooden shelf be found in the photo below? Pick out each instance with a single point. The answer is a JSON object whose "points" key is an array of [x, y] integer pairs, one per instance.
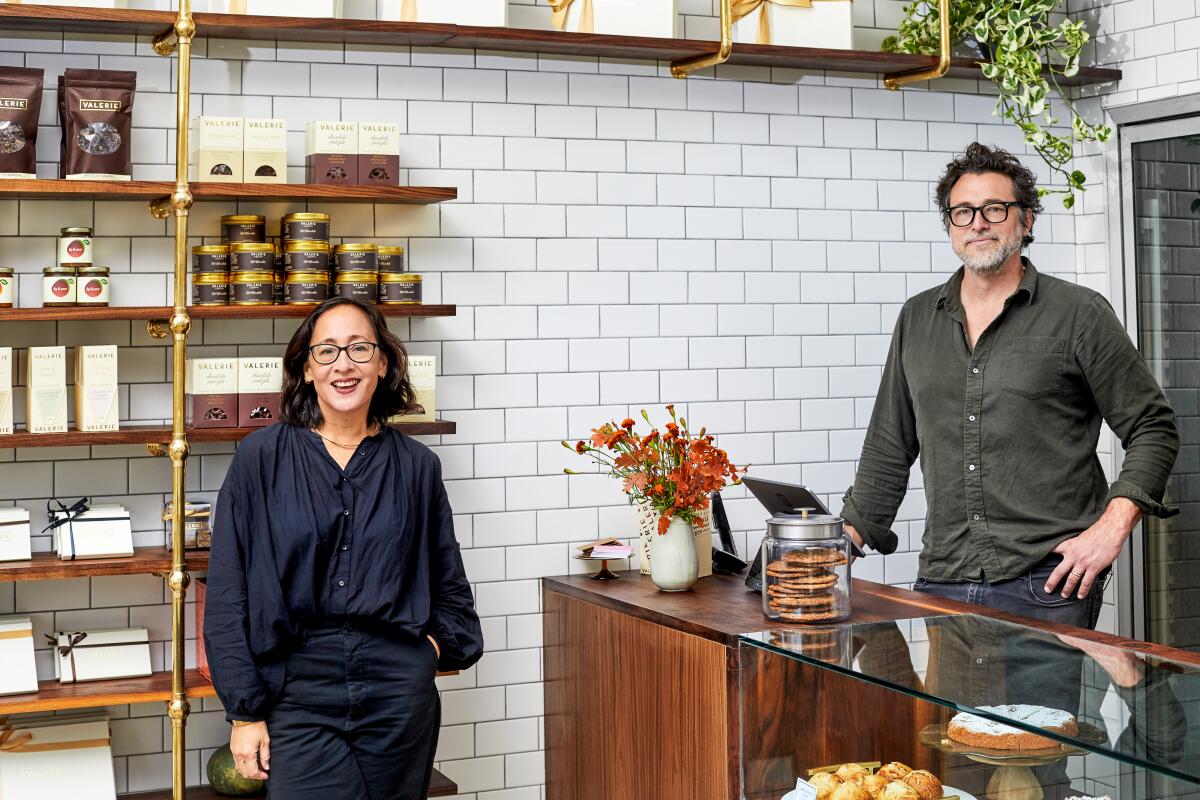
{"points": [[144, 561], [85, 314], [161, 434], [53, 696], [439, 786], [45, 189], [354, 31]]}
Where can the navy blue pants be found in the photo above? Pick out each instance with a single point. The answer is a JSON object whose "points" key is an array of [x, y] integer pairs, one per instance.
{"points": [[358, 718]]}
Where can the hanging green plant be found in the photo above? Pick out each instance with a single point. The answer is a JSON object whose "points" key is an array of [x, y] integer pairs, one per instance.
{"points": [[1024, 54]]}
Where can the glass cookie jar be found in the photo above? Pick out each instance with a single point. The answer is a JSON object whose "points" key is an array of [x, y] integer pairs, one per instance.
{"points": [[806, 568]]}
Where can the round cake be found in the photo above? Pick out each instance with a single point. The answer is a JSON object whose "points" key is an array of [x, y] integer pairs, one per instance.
{"points": [[979, 732]]}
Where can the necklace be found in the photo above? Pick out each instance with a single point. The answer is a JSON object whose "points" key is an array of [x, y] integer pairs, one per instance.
{"points": [[340, 444]]}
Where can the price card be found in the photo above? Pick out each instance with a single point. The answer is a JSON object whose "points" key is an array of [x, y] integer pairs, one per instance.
{"points": [[804, 790]]}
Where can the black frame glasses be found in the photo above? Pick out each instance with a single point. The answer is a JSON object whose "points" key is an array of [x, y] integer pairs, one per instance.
{"points": [[994, 213], [349, 350]]}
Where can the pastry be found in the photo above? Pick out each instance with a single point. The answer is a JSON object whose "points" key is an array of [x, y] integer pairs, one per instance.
{"points": [[894, 771], [850, 791], [825, 783], [873, 784], [848, 772], [925, 783], [979, 732], [898, 790]]}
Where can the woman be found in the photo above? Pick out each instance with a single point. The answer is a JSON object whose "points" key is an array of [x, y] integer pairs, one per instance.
{"points": [[335, 587]]}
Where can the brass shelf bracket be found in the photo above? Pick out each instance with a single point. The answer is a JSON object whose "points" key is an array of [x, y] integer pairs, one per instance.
{"points": [[156, 449], [685, 67], [157, 329], [896, 80]]}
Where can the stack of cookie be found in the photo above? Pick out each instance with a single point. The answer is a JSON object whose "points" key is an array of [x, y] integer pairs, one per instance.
{"points": [[801, 586]]}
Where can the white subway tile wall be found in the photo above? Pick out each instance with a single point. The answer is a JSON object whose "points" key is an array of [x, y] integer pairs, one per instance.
{"points": [[738, 245]]}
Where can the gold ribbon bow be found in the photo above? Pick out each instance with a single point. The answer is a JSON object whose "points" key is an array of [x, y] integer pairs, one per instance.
{"points": [[14, 742], [587, 16], [9, 741], [744, 8], [237, 6], [408, 11]]}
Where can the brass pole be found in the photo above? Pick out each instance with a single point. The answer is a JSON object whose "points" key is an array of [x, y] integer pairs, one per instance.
{"points": [[681, 69], [178, 38], [929, 73]]}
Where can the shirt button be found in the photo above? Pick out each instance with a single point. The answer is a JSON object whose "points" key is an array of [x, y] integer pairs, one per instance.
{"points": [[971, 467], [972, 418], [976, 517], [362, 452], [979, 661], [347, 547], [345, 512], [341, 583], [975, 370]]}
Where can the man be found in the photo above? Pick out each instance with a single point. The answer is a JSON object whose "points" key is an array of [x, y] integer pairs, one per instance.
{"points": [[999, 380]]}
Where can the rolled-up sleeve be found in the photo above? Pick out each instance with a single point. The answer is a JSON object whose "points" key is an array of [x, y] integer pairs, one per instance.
{"points": [[453, 621], [226, 612], [1132, 403], [888, 453]]}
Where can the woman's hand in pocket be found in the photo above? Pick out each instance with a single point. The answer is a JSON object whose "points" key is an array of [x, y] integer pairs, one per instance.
{"points": [[251, 747]]}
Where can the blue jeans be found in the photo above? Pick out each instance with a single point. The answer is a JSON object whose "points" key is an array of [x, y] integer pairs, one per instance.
{"points": [[1025, 596], [358, 717]]}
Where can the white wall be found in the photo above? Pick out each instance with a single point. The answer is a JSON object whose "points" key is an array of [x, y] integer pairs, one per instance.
{"points": [[739, 246]]}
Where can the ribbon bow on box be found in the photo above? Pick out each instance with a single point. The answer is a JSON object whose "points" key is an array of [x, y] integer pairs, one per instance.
{"points": [[68, 518], [587, 15], [744, 8]]}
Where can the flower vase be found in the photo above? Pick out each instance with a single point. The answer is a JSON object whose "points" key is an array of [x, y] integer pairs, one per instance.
{"points": [[702, 528], [673, 563]]}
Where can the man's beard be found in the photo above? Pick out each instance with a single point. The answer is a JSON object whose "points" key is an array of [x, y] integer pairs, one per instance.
{"points": [[989, 263]]}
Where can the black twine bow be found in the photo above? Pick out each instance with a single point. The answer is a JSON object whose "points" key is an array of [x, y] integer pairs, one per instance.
{"points": [[68, 518]]}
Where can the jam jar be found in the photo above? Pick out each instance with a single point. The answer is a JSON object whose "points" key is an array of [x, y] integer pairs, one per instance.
{"points": [[92, 286], [806, 568], [75, 247], [7, 287], [58, 287]]}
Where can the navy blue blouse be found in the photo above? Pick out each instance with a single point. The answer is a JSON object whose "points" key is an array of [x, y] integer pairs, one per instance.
{"points": [[297, 539]]}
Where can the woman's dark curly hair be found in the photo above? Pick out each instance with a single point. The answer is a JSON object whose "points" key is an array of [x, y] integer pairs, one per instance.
{"points": [[978, 159], [393, 394]]}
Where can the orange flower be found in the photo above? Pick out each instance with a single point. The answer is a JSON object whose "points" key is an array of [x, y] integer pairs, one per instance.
{"points": [[580, 447], [627, 424]]}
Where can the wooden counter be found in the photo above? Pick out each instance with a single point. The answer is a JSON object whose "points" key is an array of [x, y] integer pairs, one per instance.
{"points": [[645, 691]]}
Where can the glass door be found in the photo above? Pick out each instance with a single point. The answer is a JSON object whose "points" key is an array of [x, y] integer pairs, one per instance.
{"points": [[1161, 177]]}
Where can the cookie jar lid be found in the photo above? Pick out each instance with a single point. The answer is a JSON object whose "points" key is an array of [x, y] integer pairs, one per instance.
{"points": [[802, 524]]}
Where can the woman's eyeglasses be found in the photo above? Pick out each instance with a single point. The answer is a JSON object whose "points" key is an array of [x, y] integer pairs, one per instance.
{"points": [[359, 352]]}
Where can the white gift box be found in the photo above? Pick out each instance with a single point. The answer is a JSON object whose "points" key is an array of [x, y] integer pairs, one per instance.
{"points": [[824, 23], [14, 534], [273, 8], [102, 655], [18, 670], [658, 18], [64, 760], [481, 13], [100, 532]]}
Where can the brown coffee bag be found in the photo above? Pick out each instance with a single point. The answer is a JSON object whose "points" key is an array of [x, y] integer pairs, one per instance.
{"points": [[95, 108], [20, 105]]}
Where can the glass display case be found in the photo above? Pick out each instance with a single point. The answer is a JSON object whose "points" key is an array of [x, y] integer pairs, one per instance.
{"points": [[958, 696]]}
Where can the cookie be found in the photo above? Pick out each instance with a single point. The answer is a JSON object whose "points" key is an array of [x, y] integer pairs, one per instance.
{"points": [[816, 557], [808, 615], [809, 584]]}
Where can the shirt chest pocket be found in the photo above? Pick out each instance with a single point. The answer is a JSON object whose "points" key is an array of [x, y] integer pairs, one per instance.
{"points": [[1033, 366]]}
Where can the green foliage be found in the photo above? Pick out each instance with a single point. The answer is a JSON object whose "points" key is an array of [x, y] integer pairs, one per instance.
{"points": [[1025, 54]]}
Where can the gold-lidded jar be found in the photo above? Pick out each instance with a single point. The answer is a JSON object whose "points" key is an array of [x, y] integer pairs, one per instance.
{"points": [[252, 257], [252, 288], [210, 289], [58, 287], [92, 286], [306, 288], [75, 247], [399, 289], [306, 256], [305, 226], [356, 257], [210, 258], [391, 258], [243, 228], [8, 287], [362, 286]]}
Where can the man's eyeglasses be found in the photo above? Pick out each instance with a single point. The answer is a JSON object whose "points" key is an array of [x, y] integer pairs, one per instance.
{"points": [[995, 213], [359, 352]]}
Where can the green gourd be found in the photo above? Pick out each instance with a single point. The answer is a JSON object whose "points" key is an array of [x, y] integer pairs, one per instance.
{"points": [[226, 780]]}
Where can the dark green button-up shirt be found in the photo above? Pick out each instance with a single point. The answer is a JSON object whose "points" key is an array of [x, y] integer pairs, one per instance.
{"points": [[1007, 432]]}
